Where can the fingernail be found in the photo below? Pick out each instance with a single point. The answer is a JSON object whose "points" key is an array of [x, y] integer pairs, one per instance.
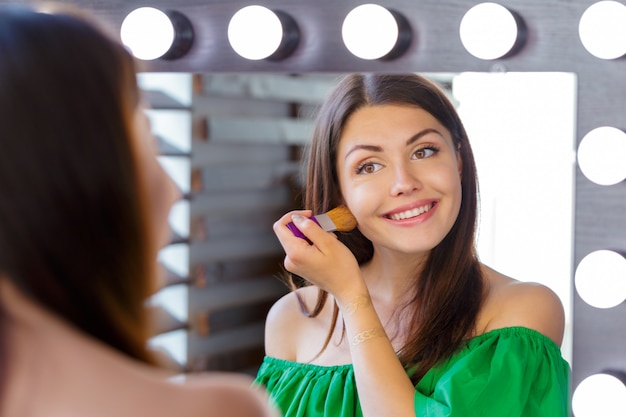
{"points": [[297, 218]]}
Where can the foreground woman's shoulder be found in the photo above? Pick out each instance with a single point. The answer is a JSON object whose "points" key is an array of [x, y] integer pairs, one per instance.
{"points": [[527, 304], [219, 394]]}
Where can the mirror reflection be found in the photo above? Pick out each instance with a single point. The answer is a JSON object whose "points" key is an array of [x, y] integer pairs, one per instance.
{"points": [[235, 143]]}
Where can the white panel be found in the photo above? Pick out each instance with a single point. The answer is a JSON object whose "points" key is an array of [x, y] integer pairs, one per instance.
{"points": [[175, 258], [173, 126], [176, 85], [179, 217], [174, 343], [179, 168], [522, 130], [174, 299]]}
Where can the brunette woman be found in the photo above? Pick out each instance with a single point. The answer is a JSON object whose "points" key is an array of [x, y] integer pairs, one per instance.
{"points": [[399, 317], [83, 212]]}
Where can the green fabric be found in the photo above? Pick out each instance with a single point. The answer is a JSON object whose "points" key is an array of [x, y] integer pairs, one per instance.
{"points": [[510, 372]]}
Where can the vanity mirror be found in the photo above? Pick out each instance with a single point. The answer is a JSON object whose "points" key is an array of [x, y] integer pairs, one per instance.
{"points": [[546, 39]]}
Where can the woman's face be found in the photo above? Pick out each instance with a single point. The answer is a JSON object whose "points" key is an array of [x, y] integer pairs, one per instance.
{"points": [[161, 190], [399, 174]]}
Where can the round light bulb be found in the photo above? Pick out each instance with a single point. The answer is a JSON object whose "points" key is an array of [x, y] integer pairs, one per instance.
{"points": [[601, 155], [148, 33], [602, 29], [370, 31], [489, 31], [599, 395], [600, 279], [255, 32]]}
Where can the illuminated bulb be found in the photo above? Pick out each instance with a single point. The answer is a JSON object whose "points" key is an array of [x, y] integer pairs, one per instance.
{"points": [[147, 32], [150, 33], [600, 279], [371, 32], [491, 31], [602, 29], [601, 155], [256, 32], [599, 395]]}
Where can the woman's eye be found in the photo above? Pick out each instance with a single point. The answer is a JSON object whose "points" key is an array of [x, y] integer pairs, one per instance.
{"points": [[368, 168], [425, 152]]}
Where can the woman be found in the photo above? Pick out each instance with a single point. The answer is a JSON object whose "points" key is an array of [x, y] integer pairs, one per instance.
{"points": [[83, 212], [400, 309]]}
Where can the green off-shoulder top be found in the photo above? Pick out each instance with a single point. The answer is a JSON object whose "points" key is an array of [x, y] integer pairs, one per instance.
{"points": [[509, 372]]}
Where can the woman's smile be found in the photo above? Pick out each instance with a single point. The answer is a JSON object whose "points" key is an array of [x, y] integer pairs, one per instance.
{"points": [[412, 212]]}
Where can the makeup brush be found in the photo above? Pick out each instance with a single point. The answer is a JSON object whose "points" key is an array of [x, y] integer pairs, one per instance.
{"points": [[338, 219]]}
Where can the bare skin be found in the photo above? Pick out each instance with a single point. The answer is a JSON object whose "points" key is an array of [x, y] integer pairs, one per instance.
{"points": [[57, 371], [508, 303]]}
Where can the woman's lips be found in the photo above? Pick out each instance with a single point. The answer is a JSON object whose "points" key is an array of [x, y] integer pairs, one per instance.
{"points": [[419, 211]]}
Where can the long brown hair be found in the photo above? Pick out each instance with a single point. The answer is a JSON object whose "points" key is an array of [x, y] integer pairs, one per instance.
{"points": [[448, 290], [73, 230]]}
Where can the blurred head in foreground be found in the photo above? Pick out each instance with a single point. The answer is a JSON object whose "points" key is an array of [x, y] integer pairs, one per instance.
{"points": [[83, 213]]}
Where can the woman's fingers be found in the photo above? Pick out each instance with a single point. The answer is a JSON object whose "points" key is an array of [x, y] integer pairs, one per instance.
{"points": [[320, 258], [302, 253], [309, 231]]}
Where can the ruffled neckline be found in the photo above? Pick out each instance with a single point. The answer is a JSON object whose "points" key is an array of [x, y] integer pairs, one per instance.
{"points": [[468, 345]]}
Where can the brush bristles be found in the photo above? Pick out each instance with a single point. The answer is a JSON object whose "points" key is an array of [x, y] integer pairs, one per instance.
{"points": [[342, 218]]}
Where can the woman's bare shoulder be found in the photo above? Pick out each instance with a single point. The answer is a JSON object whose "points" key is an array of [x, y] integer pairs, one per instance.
{"points": [[57, 386], [286, 321], [512, 303], [201, 394], [224, 394]]}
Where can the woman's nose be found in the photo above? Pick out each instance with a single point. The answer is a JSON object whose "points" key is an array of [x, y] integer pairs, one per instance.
{"points": [[405, 181]]}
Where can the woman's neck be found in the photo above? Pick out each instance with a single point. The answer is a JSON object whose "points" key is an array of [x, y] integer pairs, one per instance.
{"points": [[391, 277]]}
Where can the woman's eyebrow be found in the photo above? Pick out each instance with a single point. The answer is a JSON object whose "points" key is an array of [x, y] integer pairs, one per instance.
{"points": [[421, 133], [373, 148]]}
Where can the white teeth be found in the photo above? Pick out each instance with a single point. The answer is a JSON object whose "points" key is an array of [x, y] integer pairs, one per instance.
{"points": [[411, 213]]}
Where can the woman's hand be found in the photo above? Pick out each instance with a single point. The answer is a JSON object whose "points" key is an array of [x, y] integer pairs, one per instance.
{"points": [[383, 385], [326, 262]]}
